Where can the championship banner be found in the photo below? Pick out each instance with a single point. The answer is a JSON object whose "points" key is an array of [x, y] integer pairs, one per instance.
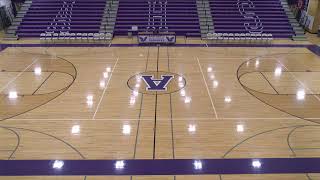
{"points": [[158, 39]]}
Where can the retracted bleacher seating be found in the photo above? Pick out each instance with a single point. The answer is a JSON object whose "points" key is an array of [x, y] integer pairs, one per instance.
{"points": [[179, 16], [251, 16], [56, 16]]}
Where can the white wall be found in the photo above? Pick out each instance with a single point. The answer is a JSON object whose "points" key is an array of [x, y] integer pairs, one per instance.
{"points": [[4, 3], [7, 3]]}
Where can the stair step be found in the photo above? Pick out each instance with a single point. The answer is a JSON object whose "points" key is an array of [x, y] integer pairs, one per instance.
{"points": [[10, 37], [109, 17], [15, 23], [299, 38], [12, 28], [11, 31], [205, 17]]}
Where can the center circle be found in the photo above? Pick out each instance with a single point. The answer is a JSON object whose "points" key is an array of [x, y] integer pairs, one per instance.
{"points": [[156, 82]]}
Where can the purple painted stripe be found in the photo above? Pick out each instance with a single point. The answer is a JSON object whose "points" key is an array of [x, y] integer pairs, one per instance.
{"points": [[159, 167], [2, 47], [176, 45], [313, 48]]}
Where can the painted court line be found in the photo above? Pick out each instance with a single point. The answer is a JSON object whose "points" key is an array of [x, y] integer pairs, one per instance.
{"points": [[18, 75], [216, 57], [305, 87], [205, 82], [147, 119], [105, 89]]}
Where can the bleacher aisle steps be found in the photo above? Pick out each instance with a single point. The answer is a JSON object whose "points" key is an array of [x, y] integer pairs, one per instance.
{"points": [[11, 31], [298, 30], [109, 17], [205, 18]]}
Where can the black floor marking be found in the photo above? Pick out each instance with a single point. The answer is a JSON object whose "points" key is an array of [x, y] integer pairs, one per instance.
{"points": [[258, 134], [269, 82], [292, 149], [155, 113], [46, 134], [140, 111], [288, 140], [171, 120], [138, 127], [61, 140], [18, 141], [299, 149], [42, 83], [264, 132], [171, 112], [284, 94], [155, 127], [74, 77], [244, 87], [291, 132]]}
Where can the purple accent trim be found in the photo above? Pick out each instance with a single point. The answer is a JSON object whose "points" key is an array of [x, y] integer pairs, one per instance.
{"points": [[259, 45], [176, 45], [313, 48], [2, 47], [159, 167]]}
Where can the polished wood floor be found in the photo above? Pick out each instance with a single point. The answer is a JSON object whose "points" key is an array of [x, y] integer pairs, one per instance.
{"points": [[78, 103]]}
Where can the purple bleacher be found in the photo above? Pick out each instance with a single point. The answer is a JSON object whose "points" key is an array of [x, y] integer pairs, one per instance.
{"points": [[180, 17], [251, 16], [73, 16]]}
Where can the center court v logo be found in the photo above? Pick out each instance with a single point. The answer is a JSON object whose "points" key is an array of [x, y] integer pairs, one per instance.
{"points": [[157, 84]]}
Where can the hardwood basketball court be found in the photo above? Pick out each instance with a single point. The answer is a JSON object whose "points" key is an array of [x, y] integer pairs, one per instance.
{"points": [[76, 103]]}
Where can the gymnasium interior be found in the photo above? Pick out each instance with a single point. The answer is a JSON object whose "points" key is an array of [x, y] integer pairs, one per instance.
{"points": [[159, 89]]}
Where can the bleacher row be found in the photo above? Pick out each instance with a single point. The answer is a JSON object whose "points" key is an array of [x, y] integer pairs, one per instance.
{"points": [[251, 16], [179, 16], [241, 37], [55, 16], [243, 17], [75, 37]]}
